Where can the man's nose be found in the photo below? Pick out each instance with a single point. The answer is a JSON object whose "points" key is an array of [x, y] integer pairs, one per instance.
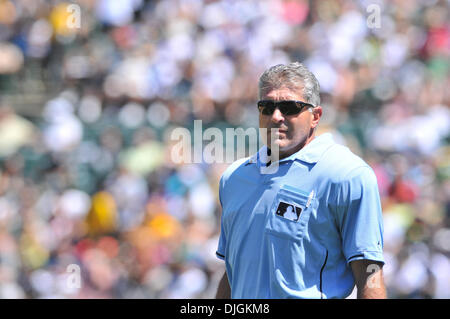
{"points": [[277, 116]]}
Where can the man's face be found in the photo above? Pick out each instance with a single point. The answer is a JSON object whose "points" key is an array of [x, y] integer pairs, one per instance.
{"points": [[291, 132]]}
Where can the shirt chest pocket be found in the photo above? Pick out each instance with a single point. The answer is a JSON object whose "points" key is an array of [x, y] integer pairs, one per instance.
{"points": [[289, 213]]}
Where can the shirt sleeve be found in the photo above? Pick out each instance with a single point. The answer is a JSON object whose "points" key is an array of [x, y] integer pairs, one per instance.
{"points": [[359, 216], [220, 252]]}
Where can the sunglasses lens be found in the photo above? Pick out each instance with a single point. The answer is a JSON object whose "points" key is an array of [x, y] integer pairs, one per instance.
{"points": [[288, 107], [266, 107]]}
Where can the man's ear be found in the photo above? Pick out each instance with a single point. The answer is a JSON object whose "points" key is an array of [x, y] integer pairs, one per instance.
{"points": [[317, 114]]}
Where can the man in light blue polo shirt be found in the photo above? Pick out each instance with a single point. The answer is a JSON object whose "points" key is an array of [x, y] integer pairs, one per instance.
{"points": [[312, 228]]}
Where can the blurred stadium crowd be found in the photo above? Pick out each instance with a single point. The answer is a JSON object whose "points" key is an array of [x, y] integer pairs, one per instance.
{"points": [[86, 112]]}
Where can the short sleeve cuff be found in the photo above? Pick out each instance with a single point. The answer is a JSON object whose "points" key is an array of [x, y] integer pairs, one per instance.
{"points": [[220, 256], [369, 255]]}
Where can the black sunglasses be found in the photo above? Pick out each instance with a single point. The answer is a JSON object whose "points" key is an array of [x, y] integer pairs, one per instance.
{"points": [[267, 107]]}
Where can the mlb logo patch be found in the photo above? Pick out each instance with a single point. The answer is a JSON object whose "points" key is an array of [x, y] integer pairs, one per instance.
{"points": [[288, 211]]}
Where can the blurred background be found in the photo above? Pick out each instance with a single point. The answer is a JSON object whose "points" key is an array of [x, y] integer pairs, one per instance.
{"points": [[90, 91]]}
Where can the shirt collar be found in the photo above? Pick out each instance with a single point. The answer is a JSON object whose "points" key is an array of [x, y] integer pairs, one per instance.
{"points": [[311, 153]]}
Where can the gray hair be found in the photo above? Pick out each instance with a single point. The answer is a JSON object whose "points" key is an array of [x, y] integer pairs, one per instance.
{"points": [[293, 76]]}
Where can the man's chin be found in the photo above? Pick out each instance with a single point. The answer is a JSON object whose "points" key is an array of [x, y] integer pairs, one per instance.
{"points": [[279, 146]]}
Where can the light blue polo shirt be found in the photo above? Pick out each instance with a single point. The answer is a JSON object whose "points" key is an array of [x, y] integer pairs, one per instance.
{"points": [[292, 234]]}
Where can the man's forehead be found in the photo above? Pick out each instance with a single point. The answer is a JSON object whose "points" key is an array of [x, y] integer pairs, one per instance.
{"points": [[283, 94]]}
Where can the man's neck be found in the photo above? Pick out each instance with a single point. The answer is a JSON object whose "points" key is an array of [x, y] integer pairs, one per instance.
{"points": [[291, 151]]}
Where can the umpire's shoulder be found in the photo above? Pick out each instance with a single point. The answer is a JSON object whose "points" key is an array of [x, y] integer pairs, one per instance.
{"points": [[236, 168], [341, 163]]}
